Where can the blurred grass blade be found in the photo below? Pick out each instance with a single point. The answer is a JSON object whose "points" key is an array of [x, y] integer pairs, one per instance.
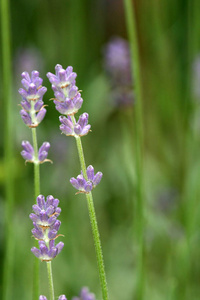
{"points": [[138, 123], [8, 152]]}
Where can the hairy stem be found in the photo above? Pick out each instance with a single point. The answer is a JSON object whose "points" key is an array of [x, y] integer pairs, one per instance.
{"points": [[37, 193], [50, 278], [36, 164], [93, 221]]}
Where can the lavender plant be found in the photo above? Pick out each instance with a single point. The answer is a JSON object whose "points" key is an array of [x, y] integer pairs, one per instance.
{"points": [[68, 101], [45, 214]]}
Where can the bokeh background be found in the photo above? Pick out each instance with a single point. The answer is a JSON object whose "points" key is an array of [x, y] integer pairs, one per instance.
{"points": [[77, 32]]}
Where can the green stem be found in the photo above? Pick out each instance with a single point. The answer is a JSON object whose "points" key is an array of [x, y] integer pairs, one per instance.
{"points": [[8, 151], [50, 278], [139, 214], [93, 221], [37, 193], [36, 164]]}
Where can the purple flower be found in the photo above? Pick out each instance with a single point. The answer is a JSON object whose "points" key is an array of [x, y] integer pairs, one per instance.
{"points": [[85, 295], [42, 297], [43, 151], [80, 128], [86, 185], [33, 110], [29, 155], [117, 61], [46, 227], [45, 212], [45, 253], [67, 97], [28, 152], [117, 64], [61, 297]]}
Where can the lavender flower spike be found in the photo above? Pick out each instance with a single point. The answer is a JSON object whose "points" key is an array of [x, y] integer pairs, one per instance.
{"points": [[29, 155], [67, 97], [85, 295], [86, 185], [80, 128], [33, 110], [46, 227]]}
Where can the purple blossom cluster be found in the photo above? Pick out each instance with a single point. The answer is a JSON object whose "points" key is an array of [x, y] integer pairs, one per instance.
{"points": [[67, 97], [62, 297], [32, 93], [85, 185], [68, 101], [84, 295], [46, 227], [117, 65], [29, 155], [79, 128]]}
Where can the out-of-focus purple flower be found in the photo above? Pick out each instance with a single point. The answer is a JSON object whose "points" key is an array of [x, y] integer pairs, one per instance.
{"points": [[27, 59], [86, 185], [117, 61], [61, 297], [33, 111], [85, 295], [80, 128], [117, 64], [46, 227], [29, 155], [67, 97]]}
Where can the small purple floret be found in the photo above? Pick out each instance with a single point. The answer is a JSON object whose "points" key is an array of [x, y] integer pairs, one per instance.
{"points": [[43, 151], [80, 128], [28, 152], [61, 297], [42, 297], [86, 185]]}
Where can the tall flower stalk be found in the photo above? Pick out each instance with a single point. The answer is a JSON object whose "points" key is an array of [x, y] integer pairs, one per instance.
{"points": [[8, 152], [33, 111], [139, 211], [68, 101]]}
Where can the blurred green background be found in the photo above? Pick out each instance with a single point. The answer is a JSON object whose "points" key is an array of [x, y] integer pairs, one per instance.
{"points": [[75, 32]]}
